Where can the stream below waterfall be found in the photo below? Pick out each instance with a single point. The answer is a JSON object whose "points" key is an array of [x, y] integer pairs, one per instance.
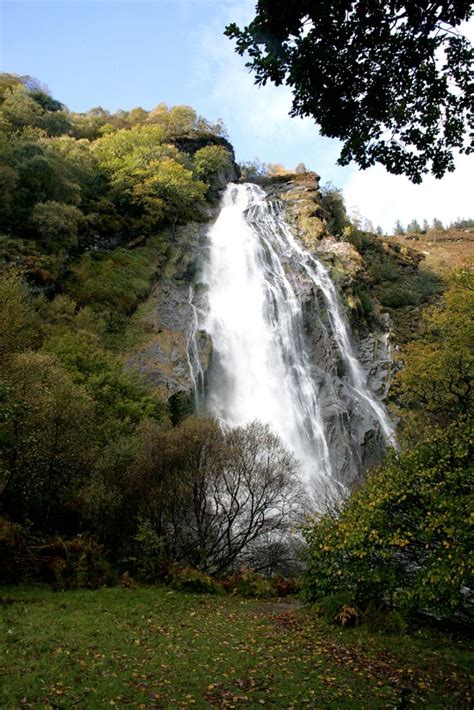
{"points": [[255, 280]]}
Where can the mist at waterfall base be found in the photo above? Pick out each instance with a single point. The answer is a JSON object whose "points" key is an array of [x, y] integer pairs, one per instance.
{"points": [[260, 290]]}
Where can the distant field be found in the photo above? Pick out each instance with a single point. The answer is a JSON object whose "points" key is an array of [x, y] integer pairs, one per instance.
{"points": [[156, 648]]}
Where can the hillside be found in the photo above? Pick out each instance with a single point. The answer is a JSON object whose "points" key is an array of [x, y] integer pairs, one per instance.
{"points": [[111, 467], [442, 250]]}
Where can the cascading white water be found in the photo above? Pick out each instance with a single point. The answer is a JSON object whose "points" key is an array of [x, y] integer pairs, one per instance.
{"points": [[261, 367]]}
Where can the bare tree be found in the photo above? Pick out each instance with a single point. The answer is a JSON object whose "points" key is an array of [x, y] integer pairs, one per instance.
{"points": [[222, 491]]}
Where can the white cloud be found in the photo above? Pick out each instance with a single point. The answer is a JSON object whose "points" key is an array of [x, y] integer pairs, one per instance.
{"points": [[257, 118], [384, 198]]}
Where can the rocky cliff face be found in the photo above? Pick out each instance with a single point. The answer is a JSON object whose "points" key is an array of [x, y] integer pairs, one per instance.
{"points": [[169, 317], [170, 320], [306, 213]]}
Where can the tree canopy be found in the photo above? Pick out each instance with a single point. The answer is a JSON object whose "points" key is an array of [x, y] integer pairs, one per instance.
{"points": [[392, 81]]}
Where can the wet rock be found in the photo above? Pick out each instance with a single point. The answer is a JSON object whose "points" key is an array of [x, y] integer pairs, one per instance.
{"points": [[163, 359]]}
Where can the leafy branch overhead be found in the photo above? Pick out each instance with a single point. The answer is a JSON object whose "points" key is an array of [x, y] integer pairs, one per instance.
{"points": [[392, 81]]}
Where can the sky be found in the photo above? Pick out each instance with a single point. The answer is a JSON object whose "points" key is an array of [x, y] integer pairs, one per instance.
{"points": [[127, 53]]}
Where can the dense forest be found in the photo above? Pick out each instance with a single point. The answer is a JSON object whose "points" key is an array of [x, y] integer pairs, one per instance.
{"points": [[101, 477]]}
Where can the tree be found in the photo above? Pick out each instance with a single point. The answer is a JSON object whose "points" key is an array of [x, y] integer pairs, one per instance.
{"points": [[437, 224], [211, 160], [17, 317], [253, 170], [398, 229], [57, 224], [213, 493], [436, 382], [404, 537], [390, 80], [48, 433], [18, 109], [148, 171], [276, 169], [332, 201], [414, 227]]}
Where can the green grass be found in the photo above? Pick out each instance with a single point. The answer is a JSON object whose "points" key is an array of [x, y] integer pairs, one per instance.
{"points": [[153, 647]]}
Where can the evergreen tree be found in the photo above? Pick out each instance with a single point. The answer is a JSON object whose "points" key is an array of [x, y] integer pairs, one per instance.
{"points": [[414, 227], [398, 228]]}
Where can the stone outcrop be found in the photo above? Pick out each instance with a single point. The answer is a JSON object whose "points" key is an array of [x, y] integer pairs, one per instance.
{"points": [[168, 323], [302, 199], [305, 211]]}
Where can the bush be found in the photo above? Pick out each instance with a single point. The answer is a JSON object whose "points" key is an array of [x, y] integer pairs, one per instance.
{"points": [[365, 302], [332, 202], [12, 549], [249, 584], [396, 297], [386, 621], [118, 280], [188, 579], [211, 160], [149, 563], [57, 224], [403, 538], [74, 564], [66, 564], [334, 609], [286, 587]]}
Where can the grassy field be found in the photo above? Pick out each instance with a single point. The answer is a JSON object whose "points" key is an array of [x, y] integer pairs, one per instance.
{"points": [[155, 648]]}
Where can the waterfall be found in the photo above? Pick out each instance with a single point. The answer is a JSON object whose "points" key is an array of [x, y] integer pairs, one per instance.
{"points": [[253, 272]]}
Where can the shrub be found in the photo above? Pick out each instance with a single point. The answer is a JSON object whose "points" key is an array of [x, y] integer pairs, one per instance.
{"points": [[57, 223], [386, 621], [12, 548], [404, 536], [249, 584], [188, 579], [118, 280], [76, 563], [396, 297], [149, 562], [329, 607], [286, 587], [332, 202], [211, 160], [365, 301]]}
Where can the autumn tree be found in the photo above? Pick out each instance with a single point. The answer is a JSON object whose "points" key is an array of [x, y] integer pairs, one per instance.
{"points": [[436, 383]]}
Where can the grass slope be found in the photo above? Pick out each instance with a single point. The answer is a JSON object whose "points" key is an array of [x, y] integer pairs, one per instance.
{"points": [[156, 648]]}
